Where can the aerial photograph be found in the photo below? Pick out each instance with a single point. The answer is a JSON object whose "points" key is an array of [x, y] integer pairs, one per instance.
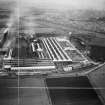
{"points": [[52, 52]]}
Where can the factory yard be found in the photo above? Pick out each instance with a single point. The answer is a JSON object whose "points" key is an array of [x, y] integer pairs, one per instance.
{"points": [[53, 48], [52, 54]]}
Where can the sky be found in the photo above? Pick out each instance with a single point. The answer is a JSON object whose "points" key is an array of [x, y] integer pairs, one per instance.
{"points": [[75, 4], [78, 4]]}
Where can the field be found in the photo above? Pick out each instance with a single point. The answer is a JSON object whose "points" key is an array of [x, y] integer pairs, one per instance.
{"points": [[59, 21], [66, 21]]}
